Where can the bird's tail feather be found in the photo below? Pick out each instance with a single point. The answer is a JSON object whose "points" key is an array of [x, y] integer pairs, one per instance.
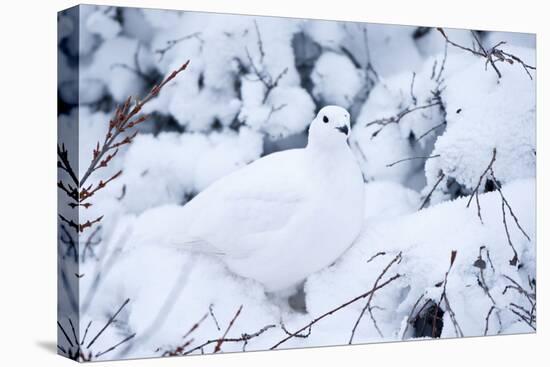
{"points": [[166, 226]]}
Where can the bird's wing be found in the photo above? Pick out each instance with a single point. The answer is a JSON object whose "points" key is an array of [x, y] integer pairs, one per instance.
{"points": [[259, 198]]}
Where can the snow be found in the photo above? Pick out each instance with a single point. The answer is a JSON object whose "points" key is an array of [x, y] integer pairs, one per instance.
{"points": [[382, 145], [249, 95], [336, 80], [171, 167], [486, 113]]}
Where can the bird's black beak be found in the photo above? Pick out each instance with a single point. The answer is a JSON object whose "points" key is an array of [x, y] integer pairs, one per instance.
{"points": [[343, 129]]}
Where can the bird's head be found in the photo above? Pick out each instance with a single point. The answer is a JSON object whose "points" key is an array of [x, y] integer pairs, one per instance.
{"points": [[330, 126]]}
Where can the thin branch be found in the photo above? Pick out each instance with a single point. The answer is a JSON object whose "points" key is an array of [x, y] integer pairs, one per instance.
{"points": [[195, 326], [380, 253], [505, 202], [410, 317], [218, 346], [115, 346], [123, 120], [305, 335], [65, 334], [412, 158], [109, 322], [452, 316], [428, 197], [397, 118], [396, 259], [480, 181], [245, 338], [326, 314], [492, 55], [413, 97], [439, 75], [432, 129], [524, 319], [171, 43], [211, 311]]}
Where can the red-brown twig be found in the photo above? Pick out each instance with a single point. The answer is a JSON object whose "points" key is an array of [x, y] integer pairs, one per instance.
{"points": [[125, 118], [244, 338], [367, 306], [218, 346]]}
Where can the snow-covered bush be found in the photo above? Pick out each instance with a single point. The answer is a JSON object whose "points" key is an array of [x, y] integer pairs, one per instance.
{"points": [[443, 129]]}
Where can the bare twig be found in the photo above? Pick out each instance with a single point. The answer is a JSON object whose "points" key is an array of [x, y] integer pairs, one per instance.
{"points": [[397, 118], [412, 158], [475, 193], [218, 346], [115, 346], [482, 265], [125, 118], [493, 307], [440, 74], [65, 334], [91, 242], [109, 322], [380, 253], [171, 43], [369, 68], [444, 297], [410, 317], [523, 318], [492, 55], [244, 338], [305, 335], [505, 202], [396, 259], [195, 325], [428, 197], [432, 129], [328, 313], [211, 311], [413, 97]]}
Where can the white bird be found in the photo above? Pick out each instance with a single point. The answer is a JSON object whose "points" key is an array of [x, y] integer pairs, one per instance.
{"points": [[278, 219]]}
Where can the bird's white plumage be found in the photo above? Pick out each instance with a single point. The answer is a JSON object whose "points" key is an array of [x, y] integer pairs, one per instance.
{"points": [[278, 219]]}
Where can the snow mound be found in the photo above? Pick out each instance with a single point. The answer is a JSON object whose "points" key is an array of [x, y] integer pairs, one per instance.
{"points": [[486, 113]]}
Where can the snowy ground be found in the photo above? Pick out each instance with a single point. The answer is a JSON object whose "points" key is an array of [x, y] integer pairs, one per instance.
{"points": [[451, 231]]}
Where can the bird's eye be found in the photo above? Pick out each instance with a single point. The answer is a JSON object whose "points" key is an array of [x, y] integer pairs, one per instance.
{"points": [[325, 119]]}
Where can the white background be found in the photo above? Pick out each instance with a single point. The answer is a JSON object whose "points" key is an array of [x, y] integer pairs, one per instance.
{"points": [[28, 181]]}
